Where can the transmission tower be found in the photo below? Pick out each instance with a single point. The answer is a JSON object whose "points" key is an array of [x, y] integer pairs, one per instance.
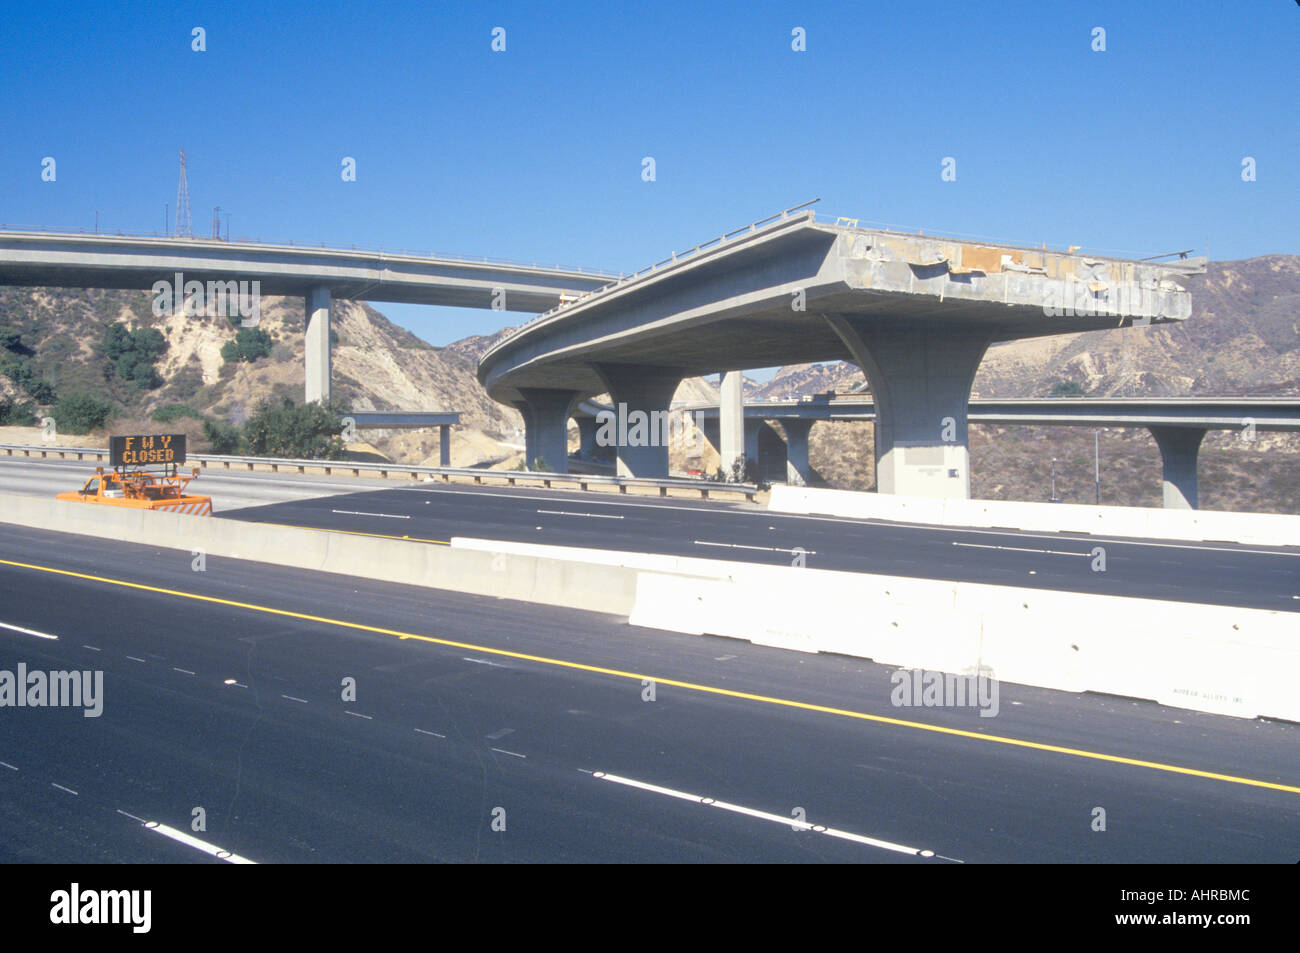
{"points": [[184, 227]]}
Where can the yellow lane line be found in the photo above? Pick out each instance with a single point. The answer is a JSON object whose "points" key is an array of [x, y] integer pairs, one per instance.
{"points": [[691, 686]]}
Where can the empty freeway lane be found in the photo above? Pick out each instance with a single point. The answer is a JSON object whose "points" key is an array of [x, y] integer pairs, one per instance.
{"points": [[314, 717], [1216, 573]]}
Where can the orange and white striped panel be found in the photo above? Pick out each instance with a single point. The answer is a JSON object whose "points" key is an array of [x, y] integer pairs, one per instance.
{"points": [[193, 508]]}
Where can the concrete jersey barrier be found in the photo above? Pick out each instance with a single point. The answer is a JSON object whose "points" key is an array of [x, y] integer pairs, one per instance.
{"points": [[1259, 529], [1220, 659]]}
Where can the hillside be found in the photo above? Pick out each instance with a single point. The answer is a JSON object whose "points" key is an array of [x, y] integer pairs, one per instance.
{"points": [[376, 364]]}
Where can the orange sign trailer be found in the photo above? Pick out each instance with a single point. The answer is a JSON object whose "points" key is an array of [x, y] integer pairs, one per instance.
{"points": [[137, 487]]}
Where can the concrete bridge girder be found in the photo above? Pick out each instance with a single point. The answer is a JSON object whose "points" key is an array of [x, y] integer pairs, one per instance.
{"points": [[916, 313]]}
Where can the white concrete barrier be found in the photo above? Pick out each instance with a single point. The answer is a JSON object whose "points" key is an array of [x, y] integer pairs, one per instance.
{"points": [[1242, 662], [570, 583], [1259, 529]]}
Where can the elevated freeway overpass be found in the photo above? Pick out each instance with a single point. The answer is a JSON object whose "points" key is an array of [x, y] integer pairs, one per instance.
{"points": [[917, 313], [1178, 424], [317, 274]]}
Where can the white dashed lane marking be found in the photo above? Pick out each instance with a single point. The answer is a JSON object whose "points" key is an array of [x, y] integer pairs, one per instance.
{"points": [[19, 628]]}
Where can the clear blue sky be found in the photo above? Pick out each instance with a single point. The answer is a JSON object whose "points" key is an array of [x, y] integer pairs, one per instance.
{"points": [[536, 153]]}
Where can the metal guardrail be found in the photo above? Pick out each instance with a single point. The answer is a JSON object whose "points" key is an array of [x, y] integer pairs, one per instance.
{"points": [[239, 240], [356, 468]]}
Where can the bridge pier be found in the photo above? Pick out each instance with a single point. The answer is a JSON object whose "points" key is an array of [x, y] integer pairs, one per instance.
{"points": [[444, 445], [920, 375], [546, 426], [318, 345], [586, 437], [735, 436], [1179, 448], [797, 467], [641, 395]]}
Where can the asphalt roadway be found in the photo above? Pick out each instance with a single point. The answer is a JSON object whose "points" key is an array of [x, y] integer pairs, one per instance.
{"points": [[1217, 573], [489, 730]]}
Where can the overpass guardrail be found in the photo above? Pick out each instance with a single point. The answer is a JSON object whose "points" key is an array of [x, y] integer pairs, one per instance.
{"points": [[106, 232], [705, 488]]}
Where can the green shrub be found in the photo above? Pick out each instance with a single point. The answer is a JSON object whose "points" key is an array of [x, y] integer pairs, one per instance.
{"points": [[249, 345], [281, 428], [222, 438], [133, 354], [170, 412], [80, 413], [17, 414]]}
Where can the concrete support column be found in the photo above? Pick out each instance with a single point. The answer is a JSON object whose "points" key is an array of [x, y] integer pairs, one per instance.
{"points": [[797, 467], [1179, 447], [586, 437], [641, 396], [736, 440], [920, 374], [546, 426], [444, 445], [318, 345]]}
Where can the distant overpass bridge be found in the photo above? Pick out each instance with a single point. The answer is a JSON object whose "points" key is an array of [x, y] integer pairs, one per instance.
{"points": [[916, 313], [317, 274], [410, 420], [1178, 424]]}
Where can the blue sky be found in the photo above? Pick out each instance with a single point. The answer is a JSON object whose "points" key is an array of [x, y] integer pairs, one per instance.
{"points": [[535, 153]]}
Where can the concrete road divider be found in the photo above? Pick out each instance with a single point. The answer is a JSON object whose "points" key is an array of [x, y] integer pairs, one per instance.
{"points": [[1257, 529], [571, 583], [1243, 662]]}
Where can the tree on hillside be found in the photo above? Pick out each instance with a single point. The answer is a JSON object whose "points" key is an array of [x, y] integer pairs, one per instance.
{"points": [[1067, 389], [16, 414], [249, 345], [281, 428], [133, 353], [81, 413], [15, 364], [222, 438]]}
